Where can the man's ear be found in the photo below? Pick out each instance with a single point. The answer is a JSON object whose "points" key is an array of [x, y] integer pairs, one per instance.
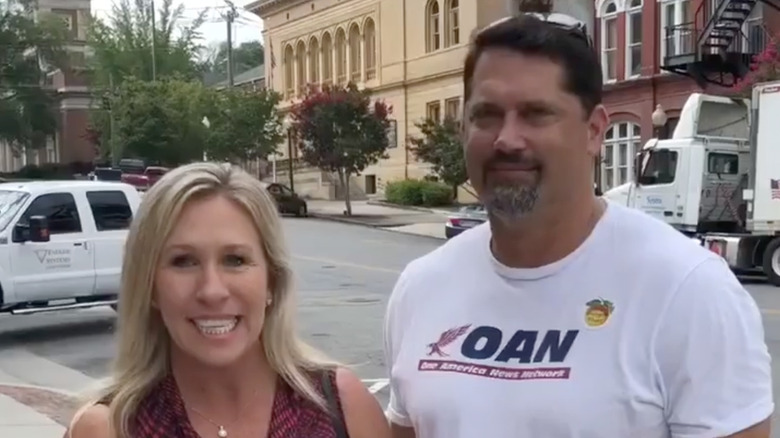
{"points": [[597, 127]]}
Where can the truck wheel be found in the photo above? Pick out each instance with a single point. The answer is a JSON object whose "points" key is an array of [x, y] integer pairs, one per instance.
{"points": [[771, 262]]}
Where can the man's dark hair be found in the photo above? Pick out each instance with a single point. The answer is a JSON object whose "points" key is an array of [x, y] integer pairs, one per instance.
{"points": [[529, 35]]}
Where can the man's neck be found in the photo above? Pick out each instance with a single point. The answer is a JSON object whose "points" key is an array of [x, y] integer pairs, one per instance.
{"points": [[545, 236]]}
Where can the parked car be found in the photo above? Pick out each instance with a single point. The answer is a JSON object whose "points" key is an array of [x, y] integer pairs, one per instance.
{"points": [[288, 201], [467, 217]]}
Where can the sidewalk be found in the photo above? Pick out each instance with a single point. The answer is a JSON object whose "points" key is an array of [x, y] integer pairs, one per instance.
{"points": [[418, 222], [28, 412]]}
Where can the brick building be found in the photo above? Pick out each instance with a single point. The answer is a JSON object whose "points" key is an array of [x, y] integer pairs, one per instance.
{"points": [[657, 52], [73, 99]]}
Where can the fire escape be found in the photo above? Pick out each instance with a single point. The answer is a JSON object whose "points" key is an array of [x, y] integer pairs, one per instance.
{"points": [[713, 49]]}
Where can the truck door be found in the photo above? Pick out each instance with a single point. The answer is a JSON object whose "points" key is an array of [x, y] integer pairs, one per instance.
{"points": [[656, 193], [61, 268]]}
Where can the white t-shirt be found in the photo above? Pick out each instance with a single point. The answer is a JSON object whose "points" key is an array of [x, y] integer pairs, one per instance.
{"points": [[638, 333]]}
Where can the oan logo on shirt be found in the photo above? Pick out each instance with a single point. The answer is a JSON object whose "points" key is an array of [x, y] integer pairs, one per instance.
{"points": [[487, 351]]}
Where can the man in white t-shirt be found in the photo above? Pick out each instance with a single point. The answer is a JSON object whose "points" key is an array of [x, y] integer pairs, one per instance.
{"points": [[565, 316]]}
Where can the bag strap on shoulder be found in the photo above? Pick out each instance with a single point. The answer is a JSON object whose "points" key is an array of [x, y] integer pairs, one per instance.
{"points": [[333, 405]]}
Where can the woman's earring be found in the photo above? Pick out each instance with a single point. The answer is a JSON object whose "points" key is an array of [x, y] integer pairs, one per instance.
{"points": [[269, 301]]}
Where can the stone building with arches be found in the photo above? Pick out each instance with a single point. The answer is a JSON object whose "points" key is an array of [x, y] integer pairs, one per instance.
{"points": [[633, 41], [408, 52]]}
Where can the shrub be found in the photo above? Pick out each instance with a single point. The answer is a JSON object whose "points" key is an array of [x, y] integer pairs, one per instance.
{"points": [[418, 193]]}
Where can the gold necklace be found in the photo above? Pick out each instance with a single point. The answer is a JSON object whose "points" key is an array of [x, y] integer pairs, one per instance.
{"points": [[221, 431]]}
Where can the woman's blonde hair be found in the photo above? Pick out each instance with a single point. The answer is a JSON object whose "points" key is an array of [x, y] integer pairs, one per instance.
{"points": [[143, 354]]}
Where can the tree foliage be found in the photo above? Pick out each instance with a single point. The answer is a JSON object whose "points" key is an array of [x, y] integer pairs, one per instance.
{"points": [[28, 51], [122, 43], [341, 130], [764, 67], [247, 55], [159, 121], [440, 144], [244, 125]]}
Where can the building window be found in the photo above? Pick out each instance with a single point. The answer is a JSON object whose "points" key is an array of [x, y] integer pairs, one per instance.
{"points": [[314, 62], [452, 108], [679, 41], [609, 39], [433, 26], [433, 111], [341, 57], [300, 64], [620, 144], [369, 42], [453, 22], [355, 61], [327, 59], [289, 72], [634, 39]]}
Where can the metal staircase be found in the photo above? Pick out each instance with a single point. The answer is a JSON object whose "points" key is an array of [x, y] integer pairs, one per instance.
{"points": [[713, 49]]}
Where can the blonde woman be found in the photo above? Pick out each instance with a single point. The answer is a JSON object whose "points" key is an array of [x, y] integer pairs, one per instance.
{"points": [[207, 340]]}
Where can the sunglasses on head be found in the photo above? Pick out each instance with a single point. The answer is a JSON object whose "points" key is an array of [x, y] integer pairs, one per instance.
{"points": [[566, 22]]}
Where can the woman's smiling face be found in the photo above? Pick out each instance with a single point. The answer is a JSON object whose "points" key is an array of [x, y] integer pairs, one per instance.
{"points": [[211, 284]]}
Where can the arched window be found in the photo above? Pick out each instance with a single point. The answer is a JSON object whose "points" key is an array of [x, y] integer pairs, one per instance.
{"points": [[300, 64], [327, 59], [453, 22], [433, 26], [369, 43], [355, 60], [314, 62], [621, 143], [341, 57], [609, 40], [289, 72], [634, 38]]}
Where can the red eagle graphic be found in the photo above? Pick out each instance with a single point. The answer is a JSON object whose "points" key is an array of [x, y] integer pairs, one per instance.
{"points": [[446, 339]]}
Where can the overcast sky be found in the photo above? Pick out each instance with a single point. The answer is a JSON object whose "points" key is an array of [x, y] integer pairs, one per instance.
{"points": [[247, 27]]}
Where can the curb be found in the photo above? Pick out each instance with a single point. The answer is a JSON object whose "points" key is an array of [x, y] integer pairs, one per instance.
{"points": [[400, 207], [61, 392], [383, 227]]}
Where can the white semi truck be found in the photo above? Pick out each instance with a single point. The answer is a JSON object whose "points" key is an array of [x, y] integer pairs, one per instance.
{"points": [[718, 178]]}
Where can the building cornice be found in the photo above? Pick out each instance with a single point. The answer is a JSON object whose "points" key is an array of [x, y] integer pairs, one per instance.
{"points": [[263, 7]]}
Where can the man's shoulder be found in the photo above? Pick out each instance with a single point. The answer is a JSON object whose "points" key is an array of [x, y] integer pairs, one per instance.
{"points": [[454, 255]]}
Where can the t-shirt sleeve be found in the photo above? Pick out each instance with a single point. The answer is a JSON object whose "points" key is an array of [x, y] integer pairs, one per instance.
{"points": [[712, 359], [396, 411]]}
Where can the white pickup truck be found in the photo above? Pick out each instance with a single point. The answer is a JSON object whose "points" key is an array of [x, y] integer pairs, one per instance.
{"points": [[61, 243]]}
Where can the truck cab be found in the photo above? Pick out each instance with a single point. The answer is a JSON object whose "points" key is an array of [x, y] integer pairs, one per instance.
{"points": [[62, 241], [694, 180]]}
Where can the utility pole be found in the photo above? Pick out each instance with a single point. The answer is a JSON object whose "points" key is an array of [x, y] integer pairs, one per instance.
{"points": [[232, 14], [111, 137], [154, 43]]}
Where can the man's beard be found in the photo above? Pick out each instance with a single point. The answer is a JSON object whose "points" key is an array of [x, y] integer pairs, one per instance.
{"points": [[509, 203]]}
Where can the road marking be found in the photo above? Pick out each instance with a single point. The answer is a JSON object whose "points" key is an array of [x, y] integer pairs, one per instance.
{"points": [[376, 384], [347, 264]]}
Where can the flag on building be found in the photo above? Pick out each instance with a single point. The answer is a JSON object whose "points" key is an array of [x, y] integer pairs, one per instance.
{"points": [[775, 186]]}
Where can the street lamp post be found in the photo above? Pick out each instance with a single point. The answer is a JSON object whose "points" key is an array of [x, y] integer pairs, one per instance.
{"points": [[659, 119], [289, 128], [207, 123]]}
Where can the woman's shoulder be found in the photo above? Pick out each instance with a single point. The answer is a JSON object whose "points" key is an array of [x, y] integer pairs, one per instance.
{"points": [[362, 413], [91, 421]]}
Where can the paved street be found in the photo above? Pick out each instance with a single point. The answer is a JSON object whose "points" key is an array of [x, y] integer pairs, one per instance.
{"points": [[345, 274]]}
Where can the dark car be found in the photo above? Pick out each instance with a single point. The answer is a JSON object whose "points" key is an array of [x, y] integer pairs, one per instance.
{"points": [[288, 201], [467, 217]]}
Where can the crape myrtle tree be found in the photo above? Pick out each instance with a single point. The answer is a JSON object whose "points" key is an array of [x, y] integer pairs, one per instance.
{"points": [[765, 67], [341, 130], [440, 144]]}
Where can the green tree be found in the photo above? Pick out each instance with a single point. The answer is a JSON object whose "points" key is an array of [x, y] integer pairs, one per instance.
{"points": [[440, 144], [122, 49], [341, 130], [28, 51], [159, 121], [243, 125], [247, 55]]}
